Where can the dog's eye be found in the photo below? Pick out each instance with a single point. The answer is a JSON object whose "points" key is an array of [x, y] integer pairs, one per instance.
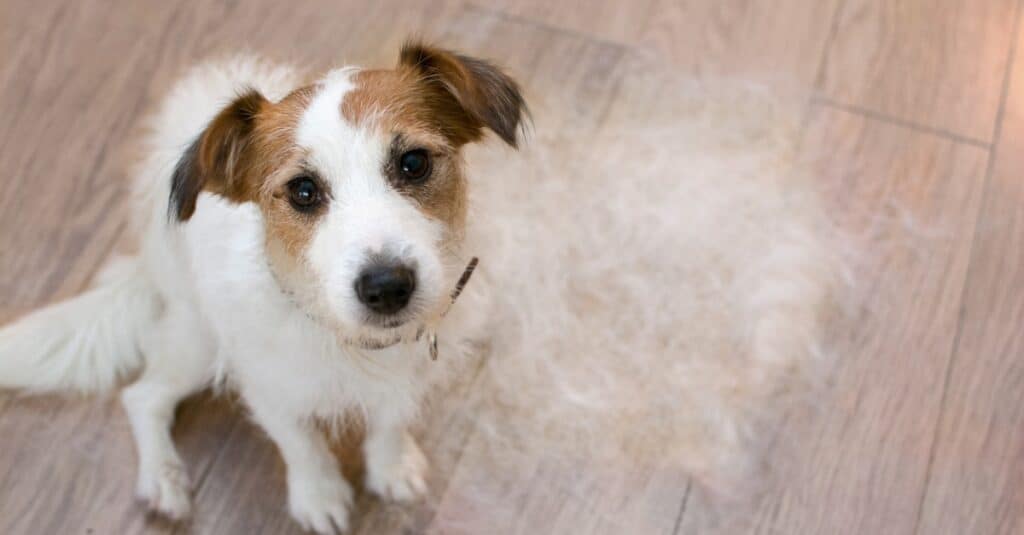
{"points": [[415, 165], [303, 193]]}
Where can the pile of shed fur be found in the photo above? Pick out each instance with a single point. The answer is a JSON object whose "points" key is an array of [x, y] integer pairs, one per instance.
{"points": [[662, 278]]}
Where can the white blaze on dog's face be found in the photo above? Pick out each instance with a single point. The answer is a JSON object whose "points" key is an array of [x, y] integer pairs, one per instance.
{"points": [[359, 180]]}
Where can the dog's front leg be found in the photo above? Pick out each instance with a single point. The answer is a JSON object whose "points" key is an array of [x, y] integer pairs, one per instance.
{"points": [[395, 466], [319, 498]]}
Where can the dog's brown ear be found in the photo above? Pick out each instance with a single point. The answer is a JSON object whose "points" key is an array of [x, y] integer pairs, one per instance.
{"points": [[470, 94], [218, 160]]}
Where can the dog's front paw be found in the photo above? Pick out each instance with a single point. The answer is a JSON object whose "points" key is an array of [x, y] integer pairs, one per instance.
{"points": [[320, 503], [166, 490], [402, 479]]}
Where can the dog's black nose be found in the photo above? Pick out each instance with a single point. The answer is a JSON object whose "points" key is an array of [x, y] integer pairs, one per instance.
{"points": [[386, 289]]}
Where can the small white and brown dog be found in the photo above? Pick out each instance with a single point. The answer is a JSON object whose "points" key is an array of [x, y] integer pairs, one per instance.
{"points": [[296, 239]]}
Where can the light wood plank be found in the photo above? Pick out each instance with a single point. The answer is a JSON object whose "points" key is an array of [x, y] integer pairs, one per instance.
{"points": [[777, 42], [71, 93], [55, 227], [63, 177], [939, 63], [72, 464], [609, 20], [549, 495], [976, 483], [913, 198]]}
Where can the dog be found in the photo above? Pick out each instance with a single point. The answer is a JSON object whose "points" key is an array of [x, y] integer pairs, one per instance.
{"points": [[296, 241]]}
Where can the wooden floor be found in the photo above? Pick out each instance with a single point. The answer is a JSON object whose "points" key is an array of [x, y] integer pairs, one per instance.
{"points": [[921, 101]]}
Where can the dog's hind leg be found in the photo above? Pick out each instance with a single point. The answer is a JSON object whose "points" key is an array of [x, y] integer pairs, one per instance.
{"points": [[179, 359]]}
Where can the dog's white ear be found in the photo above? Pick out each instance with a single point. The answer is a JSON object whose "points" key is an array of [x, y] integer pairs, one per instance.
{"points": [[469, 94], [218, 160]]}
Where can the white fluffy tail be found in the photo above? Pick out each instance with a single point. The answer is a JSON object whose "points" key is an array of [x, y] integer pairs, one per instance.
{"points": [[85, 343]]}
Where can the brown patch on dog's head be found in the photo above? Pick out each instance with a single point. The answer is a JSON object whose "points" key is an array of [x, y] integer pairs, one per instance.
{"points": [[436, 100], [399, 107], [469, 93], [453, 95], [248, 153], [219, 159], [290, 228], [244, 144], [443, 196]]}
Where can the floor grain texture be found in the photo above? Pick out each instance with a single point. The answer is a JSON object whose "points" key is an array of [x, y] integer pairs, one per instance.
{"points": [[919, 103], [977, 471], [864, 465], [940, 63]]}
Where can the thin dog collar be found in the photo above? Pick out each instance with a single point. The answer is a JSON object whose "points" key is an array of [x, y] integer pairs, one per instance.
{"points": [[373, 345]]}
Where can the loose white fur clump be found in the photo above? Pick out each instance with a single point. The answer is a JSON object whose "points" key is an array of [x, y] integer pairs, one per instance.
{"points": [[662, 280]]}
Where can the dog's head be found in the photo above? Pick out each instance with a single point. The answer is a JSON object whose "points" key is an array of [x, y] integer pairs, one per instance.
{"points": [[358, 177]]}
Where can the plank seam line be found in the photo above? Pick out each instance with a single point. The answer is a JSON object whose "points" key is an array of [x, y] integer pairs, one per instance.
{"points": [[917, 127], [682, 508]]}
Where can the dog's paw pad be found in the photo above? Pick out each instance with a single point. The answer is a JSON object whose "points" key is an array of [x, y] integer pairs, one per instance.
{"points": [[167, 491], [321, 504], [402, 481]]}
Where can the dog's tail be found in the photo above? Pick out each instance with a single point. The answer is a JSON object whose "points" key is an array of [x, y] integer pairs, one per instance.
{"points": [[86, 343]]}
